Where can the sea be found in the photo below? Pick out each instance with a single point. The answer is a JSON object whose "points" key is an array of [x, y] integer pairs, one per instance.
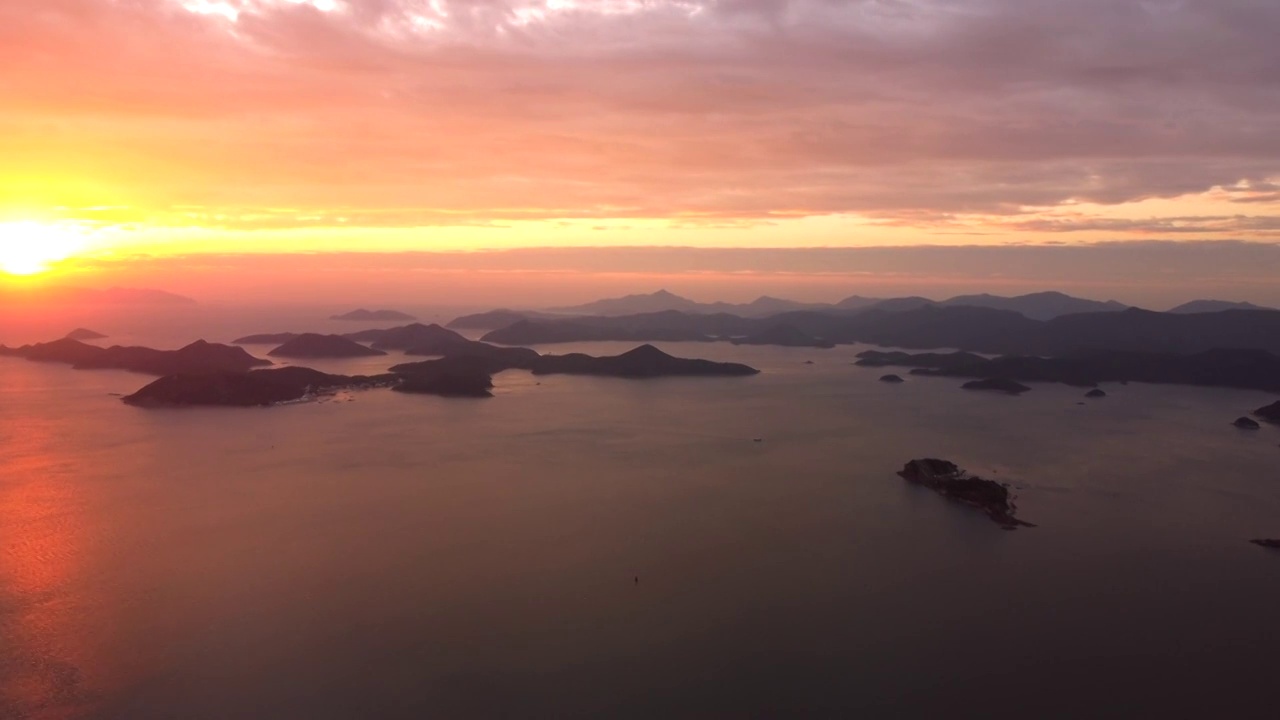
{"points": [[586, 547]]}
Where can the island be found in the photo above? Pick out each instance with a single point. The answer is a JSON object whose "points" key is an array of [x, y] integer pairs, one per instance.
{"points": [[1235, 368], [948, 480], [492, 320], [1270, 413], [783, 335], [404, 337], [1245, 423], [84, 334], [247, 389], [314, 345], [645, 361], [670, 326], [891, 379], [265, 339], [1271, 543], [493, 357], [1001, 385], [198, 357], [921, 324], [1096, 393], [447, 377], [363, 315]]}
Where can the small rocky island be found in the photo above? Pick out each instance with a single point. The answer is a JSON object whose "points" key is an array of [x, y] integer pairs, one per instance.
{"points": [[1271, 543], [363, 315], [314, 345], [1001, 385], [892, 379], [951, 482], [1096, 393], [1245, 423]]}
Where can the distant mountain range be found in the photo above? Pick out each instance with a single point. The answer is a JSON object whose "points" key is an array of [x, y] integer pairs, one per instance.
{"points": [[977, 329], [663, 300], [363, 315], [1037, 306], [109, 296], [1210, 306]]}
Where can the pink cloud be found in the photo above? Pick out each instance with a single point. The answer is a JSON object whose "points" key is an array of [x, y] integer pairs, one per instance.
{"points": [[400, 111]]}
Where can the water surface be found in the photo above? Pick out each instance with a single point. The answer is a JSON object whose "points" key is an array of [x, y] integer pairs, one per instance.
{"points": [[384, 555]]}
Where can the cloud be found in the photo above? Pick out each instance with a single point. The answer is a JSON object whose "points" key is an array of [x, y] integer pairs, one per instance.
{"points": [[1190, 225], [409, 111]]}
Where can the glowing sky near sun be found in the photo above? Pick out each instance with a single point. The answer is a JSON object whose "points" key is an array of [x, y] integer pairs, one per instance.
{"points": [[178, 126]]}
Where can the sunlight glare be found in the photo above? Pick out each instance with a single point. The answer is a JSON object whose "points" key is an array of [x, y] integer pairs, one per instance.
{"points": [[29, 247]]}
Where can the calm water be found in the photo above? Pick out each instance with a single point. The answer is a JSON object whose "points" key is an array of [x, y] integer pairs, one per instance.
{"points": [[397, 556]]}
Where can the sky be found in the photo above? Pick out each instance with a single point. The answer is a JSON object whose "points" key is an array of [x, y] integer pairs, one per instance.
{"points": [[546, 145]]}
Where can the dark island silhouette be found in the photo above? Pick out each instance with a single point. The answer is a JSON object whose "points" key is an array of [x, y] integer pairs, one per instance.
{"points": [[266, 339], [409, 336], [976, 329], [660, 327], [1270, 413], [1271, 543], [1245, 369], [462, 376], [363, 315], [198, 357], [645, 361], [247, 389], [1245, 423], [948, 480], [1000, 385], [494, 319], [893, 379], [402, 337], [492, 356], [1040, 305], [783, 335], [1210, 306], [464, 370], [1096, 393], [314, 345], [84, 334]]}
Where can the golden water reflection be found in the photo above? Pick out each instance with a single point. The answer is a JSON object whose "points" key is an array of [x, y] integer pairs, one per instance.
{"points": [[42, 542]]}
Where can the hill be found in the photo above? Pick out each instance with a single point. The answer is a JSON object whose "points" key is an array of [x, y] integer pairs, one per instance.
{"points": [[1210, 306], [314, 345]]}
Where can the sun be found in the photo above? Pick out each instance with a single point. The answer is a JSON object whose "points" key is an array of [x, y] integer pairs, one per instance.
{"points": [[30, 248]]}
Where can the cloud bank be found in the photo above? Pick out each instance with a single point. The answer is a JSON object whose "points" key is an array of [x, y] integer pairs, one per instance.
{"points": [[268, 113]]}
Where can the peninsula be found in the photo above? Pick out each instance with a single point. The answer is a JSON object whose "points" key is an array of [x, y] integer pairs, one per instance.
{"points": [[247, 389]]}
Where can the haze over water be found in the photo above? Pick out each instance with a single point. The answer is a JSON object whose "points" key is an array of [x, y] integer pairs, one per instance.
{"points": [[387, 555]]}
